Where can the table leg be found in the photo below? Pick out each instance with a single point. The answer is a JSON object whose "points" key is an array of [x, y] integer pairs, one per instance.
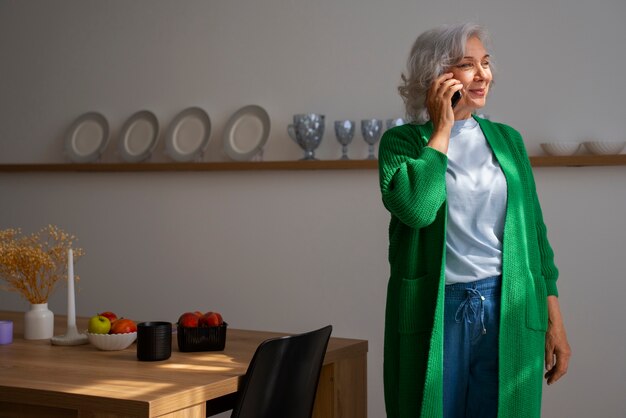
{"points": [[342, 390]]}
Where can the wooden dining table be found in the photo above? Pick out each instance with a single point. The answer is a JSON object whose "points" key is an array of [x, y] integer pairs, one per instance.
{"points": [[44, 380]]}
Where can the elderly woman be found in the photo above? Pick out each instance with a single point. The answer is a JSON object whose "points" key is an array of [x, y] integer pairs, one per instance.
{"points": [[472, 310]]}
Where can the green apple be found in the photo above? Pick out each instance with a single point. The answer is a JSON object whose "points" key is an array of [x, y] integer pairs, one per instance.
{"points": [[99, 325]]}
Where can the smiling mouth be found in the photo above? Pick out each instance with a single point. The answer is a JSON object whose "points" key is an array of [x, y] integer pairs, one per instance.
{"points": [[478, 92]]}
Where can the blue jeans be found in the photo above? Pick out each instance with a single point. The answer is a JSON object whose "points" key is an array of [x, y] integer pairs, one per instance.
{"points": [[470, 359]]}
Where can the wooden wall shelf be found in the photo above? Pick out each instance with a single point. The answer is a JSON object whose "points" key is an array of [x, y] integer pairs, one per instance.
{"points": [[195, 166], [578, 160], [542, 161]]}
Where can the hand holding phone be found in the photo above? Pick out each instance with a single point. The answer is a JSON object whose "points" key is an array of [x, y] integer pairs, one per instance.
{"points": [[455, 98]]}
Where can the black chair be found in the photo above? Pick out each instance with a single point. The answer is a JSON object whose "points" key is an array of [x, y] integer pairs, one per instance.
{"points": [[281, 380]]}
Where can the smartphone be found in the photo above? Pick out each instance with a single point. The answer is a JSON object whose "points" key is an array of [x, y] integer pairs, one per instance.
{"points": [[455, 98]]}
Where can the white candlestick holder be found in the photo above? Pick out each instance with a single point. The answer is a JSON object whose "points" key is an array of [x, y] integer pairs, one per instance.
{"points": [[72, 336]]}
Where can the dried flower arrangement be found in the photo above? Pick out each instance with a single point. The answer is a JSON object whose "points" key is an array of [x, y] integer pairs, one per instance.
{"points": [[33, 264]]}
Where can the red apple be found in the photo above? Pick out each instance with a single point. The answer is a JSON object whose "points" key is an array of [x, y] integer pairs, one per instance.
{"points": [[198, 313], [123, 326], [188, 320], [210, 319], [108, 314]]}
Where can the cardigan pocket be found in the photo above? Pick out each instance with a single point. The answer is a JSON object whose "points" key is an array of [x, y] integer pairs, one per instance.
{"points": [[415, 306], [537, 304]]}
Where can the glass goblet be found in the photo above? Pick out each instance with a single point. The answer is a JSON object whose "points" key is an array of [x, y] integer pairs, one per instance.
{"points": [[307, 131], [344, 131], [371, 129]]}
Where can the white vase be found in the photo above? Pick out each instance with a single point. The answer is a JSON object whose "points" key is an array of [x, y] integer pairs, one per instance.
{"points": [[38, 322]]}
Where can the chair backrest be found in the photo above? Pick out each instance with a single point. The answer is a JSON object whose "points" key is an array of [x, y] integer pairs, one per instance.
{"points": [[282, 378]]}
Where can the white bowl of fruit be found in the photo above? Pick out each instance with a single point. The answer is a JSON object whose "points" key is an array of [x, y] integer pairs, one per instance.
{"points": [[107, 332]]}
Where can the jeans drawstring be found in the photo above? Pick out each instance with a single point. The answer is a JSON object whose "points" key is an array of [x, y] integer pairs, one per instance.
{"points": [[463, 311]]}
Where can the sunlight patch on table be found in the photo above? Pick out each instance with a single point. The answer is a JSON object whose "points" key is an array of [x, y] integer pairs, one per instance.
{"points": [[196, 367]]}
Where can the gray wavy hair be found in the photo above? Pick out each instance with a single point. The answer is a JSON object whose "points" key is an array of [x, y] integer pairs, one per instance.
{"points": [[432, 53]]}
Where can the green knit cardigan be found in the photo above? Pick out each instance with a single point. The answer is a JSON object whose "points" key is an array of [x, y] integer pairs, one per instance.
{"points": [[413, 186]]}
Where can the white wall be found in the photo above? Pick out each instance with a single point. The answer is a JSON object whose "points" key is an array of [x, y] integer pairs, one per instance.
{"points": [[294, 250]]}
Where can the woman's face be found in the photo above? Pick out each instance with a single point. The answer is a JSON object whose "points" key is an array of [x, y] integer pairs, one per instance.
{"points": [[474, 72]]}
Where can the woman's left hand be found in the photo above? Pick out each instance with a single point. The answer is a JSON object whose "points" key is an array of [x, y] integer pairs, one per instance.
{"points": [[558, 351]]}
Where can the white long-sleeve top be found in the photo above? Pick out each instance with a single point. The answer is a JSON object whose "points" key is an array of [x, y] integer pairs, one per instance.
{"points": [[476, 196]]}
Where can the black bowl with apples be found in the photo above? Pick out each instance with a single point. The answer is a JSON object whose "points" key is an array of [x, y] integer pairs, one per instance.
{"points": [[205, 332]]}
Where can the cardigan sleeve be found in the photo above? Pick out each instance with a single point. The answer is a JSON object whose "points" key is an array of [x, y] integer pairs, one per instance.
{"points": [[412, 176], [549, 271]]}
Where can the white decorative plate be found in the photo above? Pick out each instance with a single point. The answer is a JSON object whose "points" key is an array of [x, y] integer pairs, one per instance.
{"points": [[188, 135], [246, 132], [139, 136], [87, 138]]}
